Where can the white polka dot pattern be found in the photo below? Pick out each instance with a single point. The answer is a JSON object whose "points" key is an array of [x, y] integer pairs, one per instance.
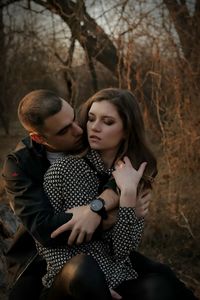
{"points": [[71, 182]]}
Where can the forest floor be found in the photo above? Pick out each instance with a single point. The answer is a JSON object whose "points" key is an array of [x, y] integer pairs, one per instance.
{"points": [[172, 234]]}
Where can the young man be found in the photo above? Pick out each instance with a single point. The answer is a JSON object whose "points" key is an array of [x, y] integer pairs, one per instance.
{"points": [[53, 132]]}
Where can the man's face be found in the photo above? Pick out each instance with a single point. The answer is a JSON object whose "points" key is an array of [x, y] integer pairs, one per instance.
{"points": [[61, 132]]}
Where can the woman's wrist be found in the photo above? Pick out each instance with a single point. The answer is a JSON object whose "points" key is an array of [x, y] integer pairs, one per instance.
{"points": [[128, 198]]}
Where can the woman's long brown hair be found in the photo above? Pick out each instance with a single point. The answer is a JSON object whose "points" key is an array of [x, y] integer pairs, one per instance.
{"points": [[134, 145]]}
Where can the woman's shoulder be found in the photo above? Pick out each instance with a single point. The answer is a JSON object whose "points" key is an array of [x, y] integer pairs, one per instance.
{"points": [[67, 160], [65, 164]]}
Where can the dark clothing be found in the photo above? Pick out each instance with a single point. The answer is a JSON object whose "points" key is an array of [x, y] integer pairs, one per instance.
{"points": [[21, 253], [87, 281], [23, 173], [80, 278], [148, 287], [29, 285], [157, 279], [145, 267]]}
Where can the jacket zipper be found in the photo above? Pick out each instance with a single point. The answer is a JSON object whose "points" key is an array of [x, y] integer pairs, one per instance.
{"points": [[31, 259]]}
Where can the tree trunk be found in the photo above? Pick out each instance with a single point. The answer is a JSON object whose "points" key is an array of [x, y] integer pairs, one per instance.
{"points": [[3, 111], [188, 29], [90, 35]]}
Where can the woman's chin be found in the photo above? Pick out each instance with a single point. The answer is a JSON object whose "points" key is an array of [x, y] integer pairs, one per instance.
{"points": [[95, 147]]}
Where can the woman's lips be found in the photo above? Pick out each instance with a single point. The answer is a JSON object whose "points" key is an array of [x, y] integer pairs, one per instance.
{"points": [[94, 138]]}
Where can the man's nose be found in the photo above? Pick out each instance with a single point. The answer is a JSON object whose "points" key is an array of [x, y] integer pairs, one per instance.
{"points": [[77, 130]]}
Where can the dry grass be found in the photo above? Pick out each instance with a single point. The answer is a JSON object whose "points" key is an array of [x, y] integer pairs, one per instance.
{"points": [[172, 231]]}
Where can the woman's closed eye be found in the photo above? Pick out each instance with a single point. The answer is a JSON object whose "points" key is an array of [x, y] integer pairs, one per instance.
{"points": [[108, 121], [91, 119]]}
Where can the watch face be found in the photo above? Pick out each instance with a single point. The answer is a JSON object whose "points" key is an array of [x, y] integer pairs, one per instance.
{"points": [[96, 205]]}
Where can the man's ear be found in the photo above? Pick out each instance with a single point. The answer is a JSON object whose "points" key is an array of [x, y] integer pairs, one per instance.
{"points": [[36, 137]]}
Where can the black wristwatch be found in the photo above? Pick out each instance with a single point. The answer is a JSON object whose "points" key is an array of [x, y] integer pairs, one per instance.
{"points": [[98, 206]]}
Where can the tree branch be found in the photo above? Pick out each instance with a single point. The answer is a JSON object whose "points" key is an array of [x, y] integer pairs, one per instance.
{"points": [[89, 34]]}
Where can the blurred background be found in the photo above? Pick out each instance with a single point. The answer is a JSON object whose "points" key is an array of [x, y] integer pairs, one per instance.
{"points": [[151, 47]]}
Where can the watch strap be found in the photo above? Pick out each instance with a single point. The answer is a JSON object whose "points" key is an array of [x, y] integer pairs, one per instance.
{"points": [[102, 212]]}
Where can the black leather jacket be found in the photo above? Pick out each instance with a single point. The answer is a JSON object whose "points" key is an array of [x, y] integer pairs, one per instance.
{"points": [[23, 174]]}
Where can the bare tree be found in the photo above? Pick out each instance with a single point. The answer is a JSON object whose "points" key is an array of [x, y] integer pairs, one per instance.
{"points": [[84, 28], [3, 108], [187, 25]]}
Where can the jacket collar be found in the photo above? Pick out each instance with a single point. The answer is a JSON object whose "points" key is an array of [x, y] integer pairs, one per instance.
{"points": [[27, 142]]}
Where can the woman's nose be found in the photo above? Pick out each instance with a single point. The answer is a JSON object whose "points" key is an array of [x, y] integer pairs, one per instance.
{"points": [[96, 126]]}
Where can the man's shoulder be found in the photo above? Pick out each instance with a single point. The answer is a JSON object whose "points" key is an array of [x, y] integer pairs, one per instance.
{"points": [[24, 152], [24, 143], [14, 157], [17, 152], [22, 146], [26, 157], [26, 148]]}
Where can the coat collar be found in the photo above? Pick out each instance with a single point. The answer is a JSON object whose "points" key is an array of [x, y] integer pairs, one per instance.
{"points": [[95, 158], [35, 148]]}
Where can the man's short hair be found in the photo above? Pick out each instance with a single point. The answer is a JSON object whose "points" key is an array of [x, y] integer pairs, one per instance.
{"points": [[36, 107]]}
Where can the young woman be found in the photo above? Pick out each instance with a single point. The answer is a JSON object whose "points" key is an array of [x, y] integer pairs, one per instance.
{"points": [[115, 146]]}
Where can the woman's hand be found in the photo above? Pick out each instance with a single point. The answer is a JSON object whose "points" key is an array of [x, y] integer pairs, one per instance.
{"points": [[127, 179]]}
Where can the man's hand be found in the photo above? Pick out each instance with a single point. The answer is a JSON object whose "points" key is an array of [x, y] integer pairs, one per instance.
{"points": [[82, 225], [84, 222], [142, 203]]}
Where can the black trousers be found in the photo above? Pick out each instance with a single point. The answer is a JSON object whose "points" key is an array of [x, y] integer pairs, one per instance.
{"points": [[145, 266], [81, 278], [29, 285]]}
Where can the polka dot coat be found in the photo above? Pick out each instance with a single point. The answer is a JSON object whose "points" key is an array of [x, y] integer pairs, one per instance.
{"points": [[71, 182]]}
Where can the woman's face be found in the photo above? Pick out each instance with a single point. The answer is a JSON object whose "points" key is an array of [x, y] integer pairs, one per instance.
{"points": [[104, 127]]}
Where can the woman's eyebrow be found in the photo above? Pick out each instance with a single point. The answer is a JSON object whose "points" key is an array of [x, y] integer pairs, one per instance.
{"points": [[103, 116]]}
